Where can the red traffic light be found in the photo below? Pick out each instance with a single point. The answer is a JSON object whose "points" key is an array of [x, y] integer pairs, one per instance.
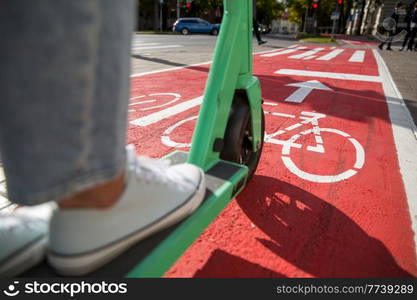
{"points": [[188, 5], [315, 5], [339, 2]]}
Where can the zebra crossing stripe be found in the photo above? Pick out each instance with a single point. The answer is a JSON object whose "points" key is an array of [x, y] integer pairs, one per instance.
{"points": [[331, 54], [308, 53], [283, 52], [358, 56]]}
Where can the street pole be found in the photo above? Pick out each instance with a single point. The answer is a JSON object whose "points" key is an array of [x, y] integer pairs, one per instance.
{"points": [[178, 9], [305, 19], [160, 14], [333, 28], [138, 14]]}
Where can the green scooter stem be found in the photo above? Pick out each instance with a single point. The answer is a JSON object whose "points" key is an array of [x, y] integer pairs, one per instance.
{"points": [[231, 72]]}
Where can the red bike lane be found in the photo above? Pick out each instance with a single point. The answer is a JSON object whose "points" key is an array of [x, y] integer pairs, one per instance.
{"points": [[328, 198]]}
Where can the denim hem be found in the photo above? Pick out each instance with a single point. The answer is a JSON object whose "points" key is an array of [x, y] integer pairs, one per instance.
{"points": [[71, 186]]}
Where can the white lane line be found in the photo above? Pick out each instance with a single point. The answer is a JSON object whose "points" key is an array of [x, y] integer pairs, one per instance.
{"points": [[306, 54], [405, 137], [170, 69], [277, 114], [185, 67], [166, 113], [358, 56], [343, 76], [349, 42], [331, 54], [144, 44], [270, 103], [275, 50], [309, 57], [158, 47], [287, 51]]}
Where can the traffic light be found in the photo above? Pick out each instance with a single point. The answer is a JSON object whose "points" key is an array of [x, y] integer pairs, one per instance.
{"points": [[315, 4], [339, 2], [188, 5]]}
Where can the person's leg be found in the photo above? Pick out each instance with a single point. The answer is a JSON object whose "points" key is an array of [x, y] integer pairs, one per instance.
{"points": [[257, 33], [64, 90], [390, 38], [411, 39], [381, 45], [256, 30], [62, 130], [65, 86], [405, 40]]}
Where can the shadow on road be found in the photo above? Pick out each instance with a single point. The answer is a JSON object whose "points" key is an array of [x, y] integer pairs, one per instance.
{"points": [[312, 234], [232, 266]]}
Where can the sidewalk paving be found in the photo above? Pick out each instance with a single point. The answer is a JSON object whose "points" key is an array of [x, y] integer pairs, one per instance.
{"points": [[403, 69]]}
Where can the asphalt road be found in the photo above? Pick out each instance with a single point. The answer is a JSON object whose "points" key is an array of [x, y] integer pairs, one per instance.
{"points": [[333, 195], [152, 52]]}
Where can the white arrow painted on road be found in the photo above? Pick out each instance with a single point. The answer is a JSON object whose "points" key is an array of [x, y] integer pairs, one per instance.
{"points": [[305, 88]]}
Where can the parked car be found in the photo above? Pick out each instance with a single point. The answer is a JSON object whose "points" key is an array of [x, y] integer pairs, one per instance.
{"points": [[195, 25]]}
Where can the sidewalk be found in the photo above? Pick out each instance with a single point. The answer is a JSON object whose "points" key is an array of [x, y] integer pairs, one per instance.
{"points": [[403, 68]]}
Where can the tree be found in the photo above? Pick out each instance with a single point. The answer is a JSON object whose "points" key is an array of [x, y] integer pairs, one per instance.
{"points": [[297, 10], [268, 10]]}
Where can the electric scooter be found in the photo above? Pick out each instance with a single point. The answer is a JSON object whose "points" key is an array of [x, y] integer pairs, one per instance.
{"points": [[227, 144]]}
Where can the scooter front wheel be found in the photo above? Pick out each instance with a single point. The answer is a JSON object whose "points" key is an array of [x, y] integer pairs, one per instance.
{"points": [[238, 138]]}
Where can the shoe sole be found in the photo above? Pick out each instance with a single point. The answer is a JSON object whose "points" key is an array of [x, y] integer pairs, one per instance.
{"points": [[25, 259], [86, 263]]}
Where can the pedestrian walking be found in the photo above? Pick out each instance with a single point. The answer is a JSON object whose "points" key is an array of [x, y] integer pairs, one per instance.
{"points": [[411, 20], [392, 31], [256, 25]]}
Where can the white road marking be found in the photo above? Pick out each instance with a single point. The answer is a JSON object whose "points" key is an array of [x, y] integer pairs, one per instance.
{"points": [[270, 103], [405, 137], [166, 113], [331, 54], [142, 102], [360, 158], [277, 114], [186, 66], [174, 95], [349, 42], [170, 69], [158, 47], [138, 43], [304, 89], [166, 140], [358, 56], [287, 51], [275, 50], [308, 53], [309, 57], [332, 75]]}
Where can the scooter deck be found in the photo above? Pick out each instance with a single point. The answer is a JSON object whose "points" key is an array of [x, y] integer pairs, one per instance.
{"points": [[153, 256]]}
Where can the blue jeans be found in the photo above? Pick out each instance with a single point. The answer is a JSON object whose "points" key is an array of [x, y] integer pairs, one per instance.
{"points": [[64, 90]]}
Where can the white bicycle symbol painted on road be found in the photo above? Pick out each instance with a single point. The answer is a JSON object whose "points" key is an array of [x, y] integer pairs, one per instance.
{"points": [[312, 118], [154, 98], [295, 141]]}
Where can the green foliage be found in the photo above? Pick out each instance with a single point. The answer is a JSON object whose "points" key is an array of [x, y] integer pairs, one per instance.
{"points": [[319, 39], [268, 10], [297, 9]]}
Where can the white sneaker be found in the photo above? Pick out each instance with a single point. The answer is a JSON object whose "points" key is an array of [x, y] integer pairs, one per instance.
{"points": [[156, 196], [23, 236]]}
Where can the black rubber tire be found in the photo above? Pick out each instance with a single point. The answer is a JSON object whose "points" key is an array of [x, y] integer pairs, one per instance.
{"points": [[214, 31], [237, 144], [185, 31]]}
